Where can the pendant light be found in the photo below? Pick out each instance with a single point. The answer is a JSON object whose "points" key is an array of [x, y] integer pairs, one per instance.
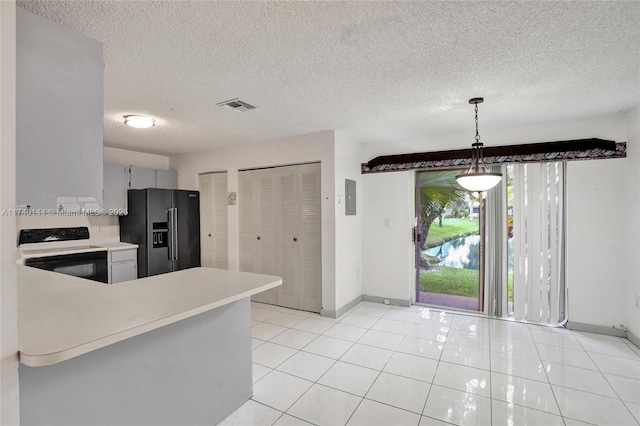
{"points": [[478, 178]]}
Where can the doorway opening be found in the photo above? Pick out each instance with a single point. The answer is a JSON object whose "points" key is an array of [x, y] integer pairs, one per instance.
{"points": [[448, 249]]}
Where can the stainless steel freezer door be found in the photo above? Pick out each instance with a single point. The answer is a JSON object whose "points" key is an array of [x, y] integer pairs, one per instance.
{"points": [[158, 204], [188, 225]]}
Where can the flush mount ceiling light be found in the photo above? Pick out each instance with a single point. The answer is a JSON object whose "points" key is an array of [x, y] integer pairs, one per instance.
{"points": [[139, 121], [478, 178]]}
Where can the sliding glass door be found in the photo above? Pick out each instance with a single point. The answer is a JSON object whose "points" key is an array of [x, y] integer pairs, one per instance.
{"points": [[502, 255], [448, 244]]}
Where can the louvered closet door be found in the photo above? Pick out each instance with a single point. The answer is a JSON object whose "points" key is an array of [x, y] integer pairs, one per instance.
{"points": [[267, 184], [219, 235], [280, 232], [257, 228], [206, 243], [213, 220], [249, 248], [288, 241], [309, 238]]}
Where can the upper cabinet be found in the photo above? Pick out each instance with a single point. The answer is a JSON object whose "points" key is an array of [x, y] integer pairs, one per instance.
{"points": [[142, 178], [118, 179], [116, 183], [166, 179], [59, 117]]}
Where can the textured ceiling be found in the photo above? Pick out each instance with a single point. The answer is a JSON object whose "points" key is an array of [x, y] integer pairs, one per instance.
{"points": [[380, 71]]}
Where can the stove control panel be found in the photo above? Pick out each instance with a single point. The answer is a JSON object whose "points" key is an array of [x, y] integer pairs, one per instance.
{"points": [[53, 234]]}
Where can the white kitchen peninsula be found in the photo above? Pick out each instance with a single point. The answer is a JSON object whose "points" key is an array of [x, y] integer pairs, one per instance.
{"points": [[168, 349]]}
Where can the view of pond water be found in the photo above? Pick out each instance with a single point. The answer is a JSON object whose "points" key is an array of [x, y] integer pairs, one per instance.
{"points": [[461, 252], [464, 252]]}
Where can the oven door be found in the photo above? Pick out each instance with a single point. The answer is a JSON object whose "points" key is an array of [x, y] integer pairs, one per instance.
{"points": [[90, 265]]}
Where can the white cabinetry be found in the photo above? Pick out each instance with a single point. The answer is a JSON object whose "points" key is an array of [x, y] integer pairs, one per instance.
{"points": [[118, 179], [280, 232], [142, 178], [166, 179], [59, 116], [116, 183], [123, 265], [213, 220]]}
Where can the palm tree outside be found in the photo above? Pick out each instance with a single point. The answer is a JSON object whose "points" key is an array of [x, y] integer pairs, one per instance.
{"points": [[447, 253]]}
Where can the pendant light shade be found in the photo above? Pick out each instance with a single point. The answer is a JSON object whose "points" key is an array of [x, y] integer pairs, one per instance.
{"points": [[478, 182], [478, 178]]}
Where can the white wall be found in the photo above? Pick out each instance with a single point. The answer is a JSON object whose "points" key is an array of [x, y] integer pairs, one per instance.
{"points": [[632, 222], [123, 157], [299, 149], [597, 227], [9, 393], [387, 249], [348, 229]]}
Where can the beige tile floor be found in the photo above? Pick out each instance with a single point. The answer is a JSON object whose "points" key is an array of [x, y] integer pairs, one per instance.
{"points": [[390, 365]]}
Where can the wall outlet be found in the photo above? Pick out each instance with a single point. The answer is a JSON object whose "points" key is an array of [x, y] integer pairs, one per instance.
{"points": [[386, 301], [637, 301]]}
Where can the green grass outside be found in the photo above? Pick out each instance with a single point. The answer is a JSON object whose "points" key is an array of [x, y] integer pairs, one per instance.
{"points": [[447, 280], [510, 286], [451, 228], [459, 282]]}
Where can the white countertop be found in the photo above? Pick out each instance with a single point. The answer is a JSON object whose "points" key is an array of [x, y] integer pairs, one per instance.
{"points": [[61, 317], [70, 247], [58, 251], [116, 246]]}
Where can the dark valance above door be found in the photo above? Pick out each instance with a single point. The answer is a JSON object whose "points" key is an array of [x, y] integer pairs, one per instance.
{"points": [[571, 150]]}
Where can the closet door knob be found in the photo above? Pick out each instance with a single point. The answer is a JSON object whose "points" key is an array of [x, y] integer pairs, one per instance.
{"points": [[295, 239], [258, 236]]}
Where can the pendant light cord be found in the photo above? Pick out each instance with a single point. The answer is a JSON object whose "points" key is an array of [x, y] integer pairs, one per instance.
{"points": [[477, 132], [476, 152], [478, 156]]}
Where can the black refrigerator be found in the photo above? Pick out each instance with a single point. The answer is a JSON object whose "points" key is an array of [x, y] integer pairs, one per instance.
{"points": [[165, 223]]}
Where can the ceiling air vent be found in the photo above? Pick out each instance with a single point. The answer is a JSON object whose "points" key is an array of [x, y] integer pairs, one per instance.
{"points": [[237, 105]]}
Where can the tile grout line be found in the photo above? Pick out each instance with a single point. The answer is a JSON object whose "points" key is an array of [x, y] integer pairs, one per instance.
{"points": [[438, 360], [605, 378]]}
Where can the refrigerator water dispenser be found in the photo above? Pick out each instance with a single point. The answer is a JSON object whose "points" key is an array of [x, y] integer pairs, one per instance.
{"points": [[160, 235]]}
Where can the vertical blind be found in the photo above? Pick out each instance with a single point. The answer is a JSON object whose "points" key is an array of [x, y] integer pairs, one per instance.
{"points": [[495, 208], [539, 238]]}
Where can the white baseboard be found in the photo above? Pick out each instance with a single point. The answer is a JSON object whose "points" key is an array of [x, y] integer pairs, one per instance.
{"points": [[599, 329], [610, 331], [342, 310], [633, 339], [366, 298], [378, 299]]}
